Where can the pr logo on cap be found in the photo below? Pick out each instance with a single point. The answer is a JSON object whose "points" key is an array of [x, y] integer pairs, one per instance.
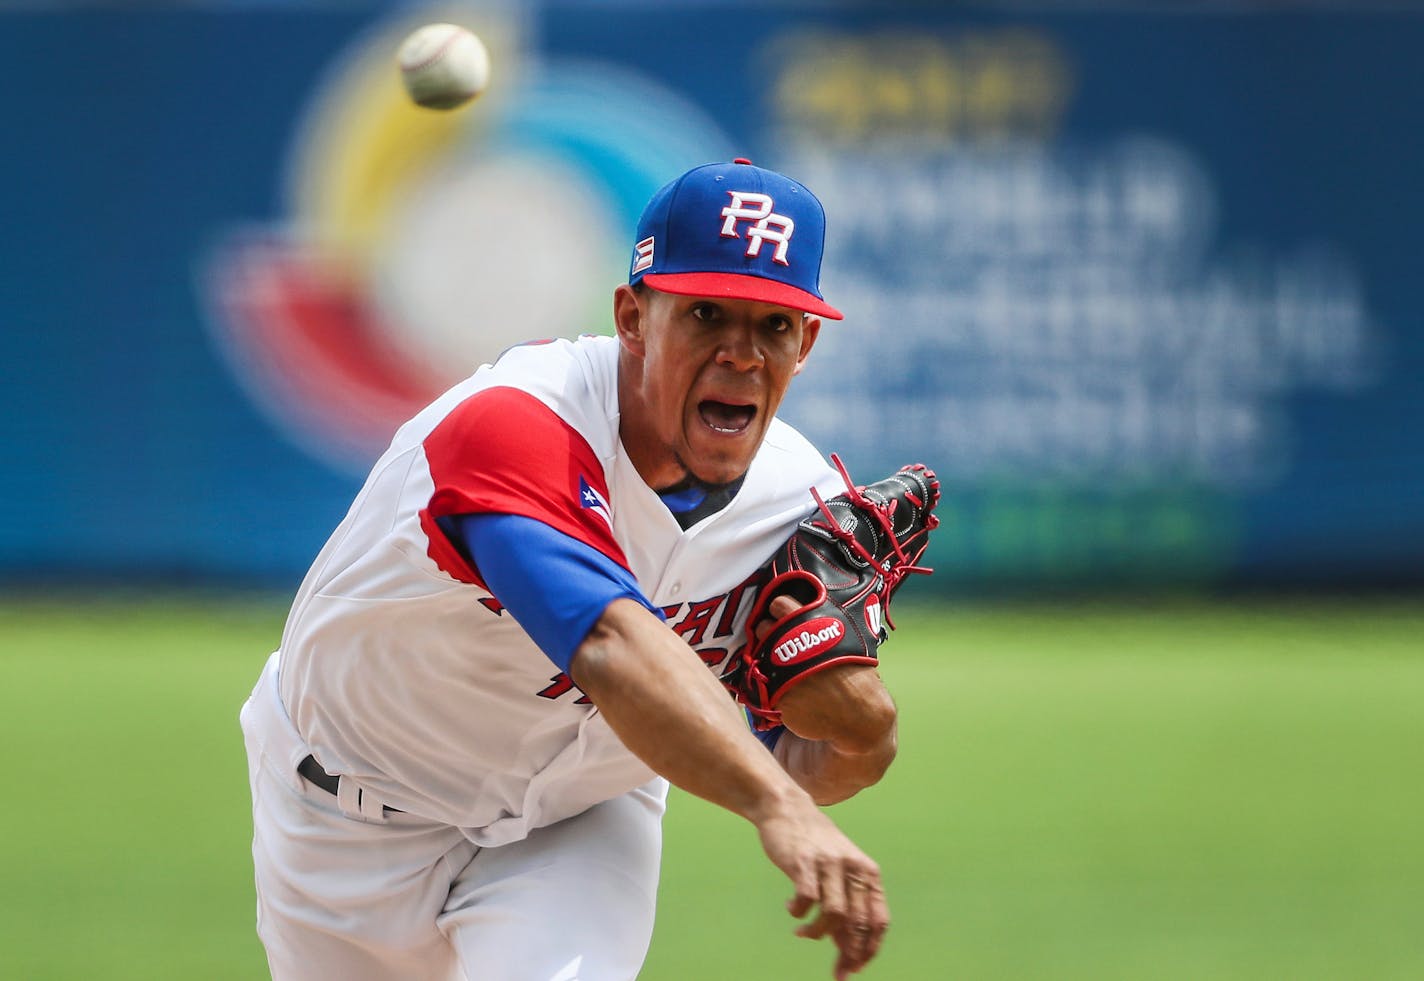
{"points": [[770, 225], [726, 230]]}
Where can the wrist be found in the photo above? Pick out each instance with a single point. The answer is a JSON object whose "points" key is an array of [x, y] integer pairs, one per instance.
{"points": [[782, 801]]}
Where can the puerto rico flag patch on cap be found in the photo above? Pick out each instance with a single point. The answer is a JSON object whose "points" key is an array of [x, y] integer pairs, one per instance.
{"points": [[643, 255]]}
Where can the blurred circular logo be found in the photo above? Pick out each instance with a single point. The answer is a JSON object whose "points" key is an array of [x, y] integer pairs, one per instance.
{"points": [[417, 245]]}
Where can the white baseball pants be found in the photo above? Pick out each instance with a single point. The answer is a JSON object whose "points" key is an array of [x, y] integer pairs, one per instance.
{"points": [[364, 895]]}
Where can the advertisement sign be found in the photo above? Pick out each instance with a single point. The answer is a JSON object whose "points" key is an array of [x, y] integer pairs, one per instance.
{"points": [[1137, 286]]}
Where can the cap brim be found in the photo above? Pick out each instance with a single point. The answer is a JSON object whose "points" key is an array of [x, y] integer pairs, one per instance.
{"points": [[733, 286]]}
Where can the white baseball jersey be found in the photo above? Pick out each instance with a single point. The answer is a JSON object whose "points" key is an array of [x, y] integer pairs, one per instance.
{"points": [[403, 673]]}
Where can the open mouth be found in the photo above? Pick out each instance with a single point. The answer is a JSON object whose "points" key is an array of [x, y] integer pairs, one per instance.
{"points": [[724, 417]]}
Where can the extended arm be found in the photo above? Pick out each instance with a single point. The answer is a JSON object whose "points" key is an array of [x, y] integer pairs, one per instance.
{"points": [[673, 714]]}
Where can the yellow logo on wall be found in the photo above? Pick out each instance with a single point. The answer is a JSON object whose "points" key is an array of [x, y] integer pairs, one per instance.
{"points": [[417, 245]]}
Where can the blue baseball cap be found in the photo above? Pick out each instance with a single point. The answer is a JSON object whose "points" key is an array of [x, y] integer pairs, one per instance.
{"points": [[738, 231]]}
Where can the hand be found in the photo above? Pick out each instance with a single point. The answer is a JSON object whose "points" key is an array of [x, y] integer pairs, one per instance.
{"points": [[846, 704], [828, 869]]}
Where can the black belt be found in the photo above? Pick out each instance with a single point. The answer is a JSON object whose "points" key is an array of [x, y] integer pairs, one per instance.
{"points": [[312, 771]]}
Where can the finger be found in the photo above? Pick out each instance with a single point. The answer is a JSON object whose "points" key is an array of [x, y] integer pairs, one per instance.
{"points": [[833, 905], [780, 606], [847, 960], [816, 929], [856, 932], [867, 917], [851, 934], [808, 890], [799, 905], [878, 916]]}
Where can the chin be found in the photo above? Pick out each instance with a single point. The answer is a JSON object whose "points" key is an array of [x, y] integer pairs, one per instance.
{"points": [[718, 470], [719, 460]]}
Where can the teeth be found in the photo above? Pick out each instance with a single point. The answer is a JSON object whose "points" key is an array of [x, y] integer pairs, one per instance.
{"points": [[726, 418]]}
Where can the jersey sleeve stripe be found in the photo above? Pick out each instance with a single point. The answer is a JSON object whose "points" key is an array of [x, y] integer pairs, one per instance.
{"points": [[503, 451]]}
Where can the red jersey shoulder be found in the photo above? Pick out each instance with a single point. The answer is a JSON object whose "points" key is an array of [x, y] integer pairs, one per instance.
{"points": [[504, 451]]}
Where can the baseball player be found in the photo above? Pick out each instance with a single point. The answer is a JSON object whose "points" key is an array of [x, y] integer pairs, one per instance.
{"points": [[460, 753]]}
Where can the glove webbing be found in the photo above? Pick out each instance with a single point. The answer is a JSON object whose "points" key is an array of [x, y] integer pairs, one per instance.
{"points": [[893, 572]]}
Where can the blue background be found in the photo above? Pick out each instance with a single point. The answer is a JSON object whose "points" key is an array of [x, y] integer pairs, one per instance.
{"points": [[137, 137]]}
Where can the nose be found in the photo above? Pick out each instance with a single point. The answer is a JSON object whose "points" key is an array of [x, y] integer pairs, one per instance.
{"points": [[738, 349]]}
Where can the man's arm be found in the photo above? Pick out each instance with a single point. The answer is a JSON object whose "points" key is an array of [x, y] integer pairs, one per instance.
{"points": [[841, 732], [841, 725], [670, 711]]}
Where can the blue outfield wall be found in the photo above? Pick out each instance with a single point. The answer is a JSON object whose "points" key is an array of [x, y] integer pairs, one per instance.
{"points": [[1143, 288]]}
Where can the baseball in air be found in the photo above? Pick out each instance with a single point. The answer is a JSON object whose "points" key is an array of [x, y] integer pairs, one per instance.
{"points": [[443, 66]]}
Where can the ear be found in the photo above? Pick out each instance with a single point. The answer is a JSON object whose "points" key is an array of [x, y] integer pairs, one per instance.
{"points": [[628, 319], [810, 330]]}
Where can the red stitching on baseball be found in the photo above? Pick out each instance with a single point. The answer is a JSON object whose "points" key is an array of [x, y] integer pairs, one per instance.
{"points": [[435, 55]]}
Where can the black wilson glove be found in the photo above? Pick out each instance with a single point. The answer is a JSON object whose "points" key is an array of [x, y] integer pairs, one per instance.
{"points": [[841, 565]]}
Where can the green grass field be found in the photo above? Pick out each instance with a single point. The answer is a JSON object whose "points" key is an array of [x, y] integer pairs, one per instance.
{"points": [[1164, 791]]}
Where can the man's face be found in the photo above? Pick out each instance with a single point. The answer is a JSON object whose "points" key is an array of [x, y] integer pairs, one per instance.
{"points": [[707, 376]]}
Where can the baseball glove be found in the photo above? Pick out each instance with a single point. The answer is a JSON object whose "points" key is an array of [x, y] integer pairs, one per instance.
{"points": [[841, 565]]}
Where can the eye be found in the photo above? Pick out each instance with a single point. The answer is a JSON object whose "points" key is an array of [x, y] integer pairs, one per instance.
{"points": [[706, 312], [778, 323]]}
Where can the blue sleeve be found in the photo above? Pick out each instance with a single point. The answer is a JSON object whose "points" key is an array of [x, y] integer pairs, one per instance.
{"points": [[555, 586]]}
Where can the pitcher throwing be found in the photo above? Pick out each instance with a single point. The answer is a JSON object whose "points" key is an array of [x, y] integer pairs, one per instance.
{"points": [[460, 753]]}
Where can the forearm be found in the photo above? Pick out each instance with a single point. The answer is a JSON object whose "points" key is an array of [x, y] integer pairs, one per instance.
{"points": [[842, 732], [669, 710], [831, 773], [671, 713]]}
